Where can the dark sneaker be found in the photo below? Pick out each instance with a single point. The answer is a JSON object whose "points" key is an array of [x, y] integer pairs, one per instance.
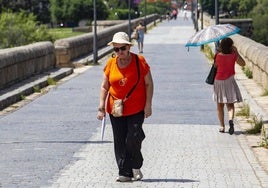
{"points": [[231, 129]]}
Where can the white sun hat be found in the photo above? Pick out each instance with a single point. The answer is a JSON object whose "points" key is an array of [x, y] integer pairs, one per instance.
{"points": [[120, 38]]}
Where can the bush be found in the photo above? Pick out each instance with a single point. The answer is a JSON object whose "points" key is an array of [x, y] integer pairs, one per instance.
{"points": [[121, 14], [17, 29], [248, 72], [257, 124], [244, 110]]}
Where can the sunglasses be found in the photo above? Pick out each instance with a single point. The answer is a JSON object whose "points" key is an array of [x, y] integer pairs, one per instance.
{"points": [[122, 48]]}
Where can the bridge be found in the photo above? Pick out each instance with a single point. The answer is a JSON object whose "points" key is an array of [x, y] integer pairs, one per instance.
{"points": [[52, 138]]}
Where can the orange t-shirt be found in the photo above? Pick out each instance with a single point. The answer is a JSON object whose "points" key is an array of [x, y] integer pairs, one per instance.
{"points": [[122, 80], [225, 65]]}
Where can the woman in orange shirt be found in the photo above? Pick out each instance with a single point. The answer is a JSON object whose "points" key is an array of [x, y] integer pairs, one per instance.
{"points": [[121, 73], [226, 90]]}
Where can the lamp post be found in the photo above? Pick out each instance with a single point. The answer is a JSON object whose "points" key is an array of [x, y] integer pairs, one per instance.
{"points": [[194, 13], [216, 20], [129, 21], [202, 21], [216, 12], [145, 14], [95, 50], [197, 7], [154, 13], [192, 10]]}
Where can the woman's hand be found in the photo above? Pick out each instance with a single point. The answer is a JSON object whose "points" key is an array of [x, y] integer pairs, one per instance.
{"points": [[240, 61], [147, 111], [234, 49], [100, 115]]}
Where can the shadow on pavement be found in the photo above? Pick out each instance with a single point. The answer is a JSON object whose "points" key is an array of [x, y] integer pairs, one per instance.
{"points": [[62, 142], [169, 180]]}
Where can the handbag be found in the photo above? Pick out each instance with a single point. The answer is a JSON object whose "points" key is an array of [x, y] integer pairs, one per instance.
{"points": [[212, 73], [118, 104], [135, 35], [118, 107]]}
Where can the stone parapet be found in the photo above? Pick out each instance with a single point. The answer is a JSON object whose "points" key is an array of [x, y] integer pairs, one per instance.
{"points": [[19, 63], [69, 49], [256, 57]]}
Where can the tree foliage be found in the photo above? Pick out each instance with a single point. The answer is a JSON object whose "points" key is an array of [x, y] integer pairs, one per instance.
{"points": [[71, 12], [40, 8], [260, 22], [239, 7], [158, 7], [256, 9], [118, 4], [18, 29], [208, 6]]}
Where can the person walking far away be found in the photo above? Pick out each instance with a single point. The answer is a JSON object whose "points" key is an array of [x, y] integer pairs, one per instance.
{"points": [[141, 30], [174, 13], [185, 6], [127, 77], [226, 90], [168, 16]]}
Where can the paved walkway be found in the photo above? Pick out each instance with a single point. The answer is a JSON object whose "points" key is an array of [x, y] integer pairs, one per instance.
{"points": [[55, 140]]}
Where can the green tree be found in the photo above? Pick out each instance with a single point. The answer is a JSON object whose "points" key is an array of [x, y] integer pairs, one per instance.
{"points": [[233, 5], [241, 7], [70, 12], [246, 6], [158, 7], [56, 11], [224, 6], [117, 4], [208, 6], [260, 22], [18, 29], [40, 8]]}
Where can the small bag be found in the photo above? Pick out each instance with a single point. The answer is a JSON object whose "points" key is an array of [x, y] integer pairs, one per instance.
{"points": [[117, 110], [135, 35], [212, 74]]}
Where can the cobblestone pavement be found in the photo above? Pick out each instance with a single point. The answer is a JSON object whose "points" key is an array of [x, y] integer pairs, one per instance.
{"points": [[54, 141], [176, 155]]}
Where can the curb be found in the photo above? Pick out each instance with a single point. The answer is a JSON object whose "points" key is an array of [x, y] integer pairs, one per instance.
{"points": [[26, 87]]}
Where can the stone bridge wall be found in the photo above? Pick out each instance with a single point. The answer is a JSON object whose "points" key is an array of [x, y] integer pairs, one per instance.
{"points": [[19, 63], [69, 49], [23, 62]]}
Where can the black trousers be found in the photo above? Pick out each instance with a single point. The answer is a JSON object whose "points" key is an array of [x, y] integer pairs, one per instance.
{"points": [[128, 136]]}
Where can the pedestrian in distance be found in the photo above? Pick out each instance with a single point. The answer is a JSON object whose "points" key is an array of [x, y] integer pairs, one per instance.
{"points": [[185, 17], [226, 91], [168, 16], [174, 13], [141, 31], [126, 77], [185, 6]]}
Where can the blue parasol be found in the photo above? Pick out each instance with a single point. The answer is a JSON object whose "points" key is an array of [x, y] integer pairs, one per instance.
{"points": [[212, 33]]}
